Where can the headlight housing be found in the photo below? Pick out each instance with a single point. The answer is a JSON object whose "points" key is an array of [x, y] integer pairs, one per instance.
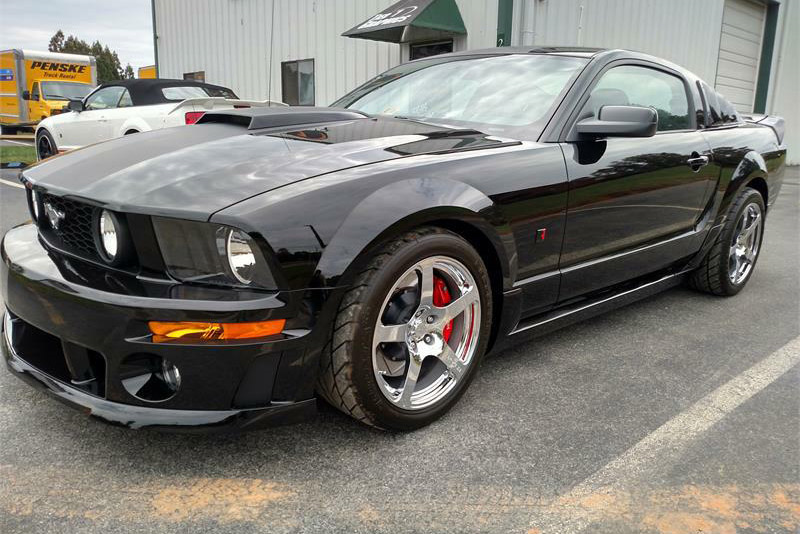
{"points": [[109, 235], [35, 206], [212, 254]]}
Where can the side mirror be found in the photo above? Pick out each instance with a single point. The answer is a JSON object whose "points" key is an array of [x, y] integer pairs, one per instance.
{"points": [[26, 95], [75, 105], [620, 121]]}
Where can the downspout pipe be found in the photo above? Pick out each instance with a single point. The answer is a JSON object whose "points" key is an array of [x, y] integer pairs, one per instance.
{"points": [[528, 22], [155, 35]]}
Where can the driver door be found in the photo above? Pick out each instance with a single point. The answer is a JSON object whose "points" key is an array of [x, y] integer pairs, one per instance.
{"points": [[634, 202], [36, 108], [91, 125]]}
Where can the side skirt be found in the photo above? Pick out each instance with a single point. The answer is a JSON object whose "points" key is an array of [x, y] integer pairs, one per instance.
{"points": [[570, 314]]}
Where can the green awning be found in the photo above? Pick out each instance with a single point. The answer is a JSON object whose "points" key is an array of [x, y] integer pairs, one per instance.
{"points": [[412, 21]]}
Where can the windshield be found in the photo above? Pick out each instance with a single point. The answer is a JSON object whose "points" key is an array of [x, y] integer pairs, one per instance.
{"points": [[65, 90], [495, 94]]}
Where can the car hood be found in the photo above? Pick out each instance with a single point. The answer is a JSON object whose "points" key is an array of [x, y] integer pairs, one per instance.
{"points": [[195, 171]]}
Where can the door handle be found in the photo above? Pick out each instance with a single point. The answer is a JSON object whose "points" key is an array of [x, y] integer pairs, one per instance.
{"points": [[696, 162]]}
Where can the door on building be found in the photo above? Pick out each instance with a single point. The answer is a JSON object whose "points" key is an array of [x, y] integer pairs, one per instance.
{"points": [[740, 51], [633, 202]]}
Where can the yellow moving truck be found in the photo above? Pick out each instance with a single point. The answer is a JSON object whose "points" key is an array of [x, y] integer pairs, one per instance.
{"points": [[35, 85], [148, 72]]}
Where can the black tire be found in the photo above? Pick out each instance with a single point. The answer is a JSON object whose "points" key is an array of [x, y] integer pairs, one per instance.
{"points": [[346, 379], [44, 140], [713, 275]]}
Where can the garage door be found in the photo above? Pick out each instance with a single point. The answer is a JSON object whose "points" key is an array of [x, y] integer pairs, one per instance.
{"points": [[739, 51]]}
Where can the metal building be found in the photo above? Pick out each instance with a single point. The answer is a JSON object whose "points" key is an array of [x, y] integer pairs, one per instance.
{"points": [[295, 50]]}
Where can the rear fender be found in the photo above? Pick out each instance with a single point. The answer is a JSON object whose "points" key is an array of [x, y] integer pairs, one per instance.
{"points": [[133, 123], [404, 205], [751, 166]]}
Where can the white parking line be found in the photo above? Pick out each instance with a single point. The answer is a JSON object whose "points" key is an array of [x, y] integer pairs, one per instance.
{"points": [[23, 143], [12, 184], [671, 438]]}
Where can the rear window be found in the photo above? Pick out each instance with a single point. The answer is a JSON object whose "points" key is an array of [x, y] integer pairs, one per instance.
{"points": [[179, 93], [719, 111]]}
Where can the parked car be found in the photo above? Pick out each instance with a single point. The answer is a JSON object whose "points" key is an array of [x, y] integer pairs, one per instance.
{"points": [[218, 275], [126, 107]]}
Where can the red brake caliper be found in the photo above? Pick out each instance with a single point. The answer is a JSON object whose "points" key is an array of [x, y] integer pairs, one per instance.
{"points": [[441, 298]]}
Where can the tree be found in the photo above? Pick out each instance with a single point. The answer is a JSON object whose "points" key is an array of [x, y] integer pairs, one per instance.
{"points": [[108, 65], [128, 72]]}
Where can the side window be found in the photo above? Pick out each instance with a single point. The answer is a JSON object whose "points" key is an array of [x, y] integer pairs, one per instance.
{"points": [[125, 101], [641, 86], [105, 98], [35, 92]]}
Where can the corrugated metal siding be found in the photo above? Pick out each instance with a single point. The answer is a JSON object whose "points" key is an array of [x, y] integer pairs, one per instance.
{"points": [[686, 32], [740, 51], [231, 41]]}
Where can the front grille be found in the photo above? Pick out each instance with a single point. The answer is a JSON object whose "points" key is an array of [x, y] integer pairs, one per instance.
{"points": [[74, 231]]}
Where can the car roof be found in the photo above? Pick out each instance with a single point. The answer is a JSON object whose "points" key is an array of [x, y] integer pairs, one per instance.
{"points": [[580, 51], [148, 91], [606, 54]]}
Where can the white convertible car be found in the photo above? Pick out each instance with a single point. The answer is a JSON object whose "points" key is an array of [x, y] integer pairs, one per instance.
{"points": [[130, 106]]}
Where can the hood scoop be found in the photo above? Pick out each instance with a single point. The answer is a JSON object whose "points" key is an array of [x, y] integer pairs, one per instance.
{"points": [[260, 118]]}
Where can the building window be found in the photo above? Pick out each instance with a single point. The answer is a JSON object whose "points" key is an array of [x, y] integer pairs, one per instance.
{"points": [[199, 76], [419, 51], [297, 82]]}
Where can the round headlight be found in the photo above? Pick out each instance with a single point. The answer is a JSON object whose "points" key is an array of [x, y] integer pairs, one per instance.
{"points": [[109, 235], [241, 257]]}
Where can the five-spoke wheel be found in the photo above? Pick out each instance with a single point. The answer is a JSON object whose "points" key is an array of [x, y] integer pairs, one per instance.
{"points": [[730, 261], [410, 332], [425, 336], [745, 244]]}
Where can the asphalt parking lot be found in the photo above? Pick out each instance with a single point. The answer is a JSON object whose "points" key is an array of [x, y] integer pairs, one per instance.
{"points": [[675, 415]]}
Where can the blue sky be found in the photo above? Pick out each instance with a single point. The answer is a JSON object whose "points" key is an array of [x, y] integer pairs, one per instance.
{"points": [[124, 25]]}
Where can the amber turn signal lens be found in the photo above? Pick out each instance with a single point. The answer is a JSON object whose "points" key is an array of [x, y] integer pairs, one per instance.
{"points": [[163, 331]]}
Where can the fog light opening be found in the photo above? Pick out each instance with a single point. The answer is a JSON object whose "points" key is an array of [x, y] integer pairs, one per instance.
{"points": [[149, 377]]}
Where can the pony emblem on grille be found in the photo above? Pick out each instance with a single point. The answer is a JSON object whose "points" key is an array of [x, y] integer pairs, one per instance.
{"points": [[54, 215]]}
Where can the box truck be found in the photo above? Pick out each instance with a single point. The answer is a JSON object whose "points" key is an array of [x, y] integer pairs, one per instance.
{"points": [[35, 85], [148, 72]]}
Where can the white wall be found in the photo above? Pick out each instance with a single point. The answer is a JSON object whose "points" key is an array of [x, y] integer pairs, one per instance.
{"points": [[231, 41], [785, 97], [685, 32]]}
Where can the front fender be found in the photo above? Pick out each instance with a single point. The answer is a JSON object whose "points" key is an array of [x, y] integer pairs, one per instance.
{"points": [[407, 204]]}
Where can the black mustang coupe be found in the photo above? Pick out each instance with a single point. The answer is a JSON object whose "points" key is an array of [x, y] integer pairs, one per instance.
{"points": [[219, 275]]}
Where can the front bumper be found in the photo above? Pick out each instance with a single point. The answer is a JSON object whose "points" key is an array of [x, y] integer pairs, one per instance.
{"points": [[66, 318]]}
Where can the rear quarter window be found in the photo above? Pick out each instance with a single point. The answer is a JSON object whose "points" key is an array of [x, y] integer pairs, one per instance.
{"points": [[182, 93], [179, 93], [719, 112]]}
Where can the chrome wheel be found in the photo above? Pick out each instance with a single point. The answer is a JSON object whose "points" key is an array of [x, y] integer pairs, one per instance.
{"points": [[45, 147], [427, 333], [745, 244]]}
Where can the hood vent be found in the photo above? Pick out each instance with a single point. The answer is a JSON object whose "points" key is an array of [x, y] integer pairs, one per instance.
{"points": [[260, 118]]}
